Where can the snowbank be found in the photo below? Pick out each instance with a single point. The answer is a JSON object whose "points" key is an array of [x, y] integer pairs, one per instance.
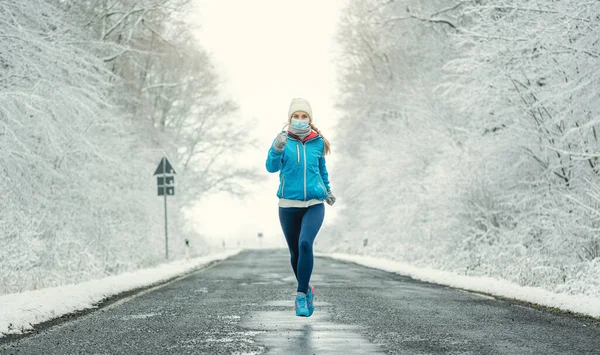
{"points": [[587, 305], [19, 312]]}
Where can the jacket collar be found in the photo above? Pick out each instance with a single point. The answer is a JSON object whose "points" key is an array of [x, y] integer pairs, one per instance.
{"points": [[310, 136]]}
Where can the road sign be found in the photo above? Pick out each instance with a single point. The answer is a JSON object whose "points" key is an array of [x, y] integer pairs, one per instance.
{"points": [[166, 187], [165, 180], [164, 167]]}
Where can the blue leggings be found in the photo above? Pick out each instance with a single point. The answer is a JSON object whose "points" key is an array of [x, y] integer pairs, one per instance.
{"points": [[300, 227]]}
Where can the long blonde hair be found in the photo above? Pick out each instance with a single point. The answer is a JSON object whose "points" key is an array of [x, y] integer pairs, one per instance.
{"points": [[327, 148]]}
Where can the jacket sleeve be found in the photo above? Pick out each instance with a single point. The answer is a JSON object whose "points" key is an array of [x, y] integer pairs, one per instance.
{"points": [[274, 160], [324, 174]]}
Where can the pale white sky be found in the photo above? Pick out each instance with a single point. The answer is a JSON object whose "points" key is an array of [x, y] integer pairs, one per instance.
{"points": [[267, 52]]}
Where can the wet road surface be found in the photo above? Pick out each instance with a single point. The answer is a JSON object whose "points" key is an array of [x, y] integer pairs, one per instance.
{"points": [[244, 305]]}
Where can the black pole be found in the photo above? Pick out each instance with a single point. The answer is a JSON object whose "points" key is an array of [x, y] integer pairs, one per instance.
{"points": [[165, 194], [166, 229]]}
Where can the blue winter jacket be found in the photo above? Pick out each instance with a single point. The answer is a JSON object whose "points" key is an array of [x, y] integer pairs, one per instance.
{"points": [[302, 172]]}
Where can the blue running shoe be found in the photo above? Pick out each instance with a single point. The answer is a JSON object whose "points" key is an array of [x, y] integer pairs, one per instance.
{"points": [[300, 306], [310, 300]]}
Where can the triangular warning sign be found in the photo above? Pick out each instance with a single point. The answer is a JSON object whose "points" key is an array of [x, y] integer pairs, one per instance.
{"points": [[164, 167]]}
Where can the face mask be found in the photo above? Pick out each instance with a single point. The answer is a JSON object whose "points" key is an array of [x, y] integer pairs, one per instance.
{"points": [[299, 123]]}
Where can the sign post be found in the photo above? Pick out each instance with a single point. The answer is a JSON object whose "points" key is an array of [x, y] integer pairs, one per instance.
{"points": [[166, 187]]}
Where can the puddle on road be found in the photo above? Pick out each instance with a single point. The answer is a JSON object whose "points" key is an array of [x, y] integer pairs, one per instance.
{"points": [[241, 343], [284, 333]]}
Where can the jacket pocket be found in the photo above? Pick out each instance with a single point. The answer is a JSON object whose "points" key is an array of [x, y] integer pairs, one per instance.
{"points": [[323, 187]]}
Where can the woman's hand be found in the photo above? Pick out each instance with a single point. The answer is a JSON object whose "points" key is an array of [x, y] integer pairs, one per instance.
{"points": [[330, 198], [280, 142]]}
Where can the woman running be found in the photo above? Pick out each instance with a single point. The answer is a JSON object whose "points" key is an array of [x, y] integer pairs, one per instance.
{"points": [[299, 156]]}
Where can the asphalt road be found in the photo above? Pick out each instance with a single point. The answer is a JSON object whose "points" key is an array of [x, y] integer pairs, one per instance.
{"points": [[244, 305]]}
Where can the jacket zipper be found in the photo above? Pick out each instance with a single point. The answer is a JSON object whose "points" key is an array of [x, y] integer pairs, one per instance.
{"points": [[304, 146], [298, 151]]}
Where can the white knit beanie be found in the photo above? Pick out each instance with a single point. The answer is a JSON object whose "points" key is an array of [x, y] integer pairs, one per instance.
{"points": [[299, 104]]}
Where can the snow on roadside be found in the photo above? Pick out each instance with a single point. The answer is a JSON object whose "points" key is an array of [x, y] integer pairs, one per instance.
{"points": [[587, 305], [19, 312]]}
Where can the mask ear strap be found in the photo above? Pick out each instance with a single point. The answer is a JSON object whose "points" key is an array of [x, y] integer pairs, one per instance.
{"points": [[286, 125]]}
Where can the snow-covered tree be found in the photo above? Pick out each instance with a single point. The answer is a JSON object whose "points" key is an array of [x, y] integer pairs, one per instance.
{"points": [[170, 85], [472, 126], [88, 107]]}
